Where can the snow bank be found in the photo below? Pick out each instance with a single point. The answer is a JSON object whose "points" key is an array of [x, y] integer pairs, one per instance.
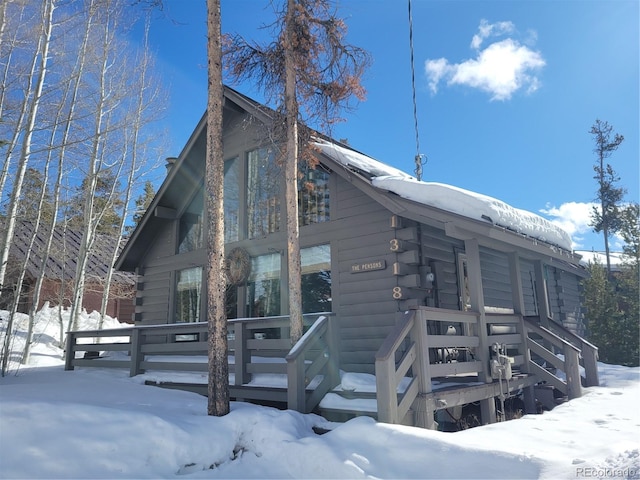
{"points": [[94, 423]]}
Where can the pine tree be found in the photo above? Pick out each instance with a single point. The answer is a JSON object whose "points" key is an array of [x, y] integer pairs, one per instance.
{"points": [[32, 189], [612, 301], [313, 74], [218, 363], [606, 219], [142, 203]]}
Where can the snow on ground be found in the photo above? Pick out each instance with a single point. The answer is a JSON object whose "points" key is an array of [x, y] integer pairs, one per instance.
{"points": [[98, 423]]}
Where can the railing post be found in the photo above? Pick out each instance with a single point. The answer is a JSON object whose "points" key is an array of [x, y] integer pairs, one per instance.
{"points": [[424, 414], [334, 357], [71, 352], [386, 394], [296, 399], [136, 352], [572, 371], [590, 359], [242, 354]]}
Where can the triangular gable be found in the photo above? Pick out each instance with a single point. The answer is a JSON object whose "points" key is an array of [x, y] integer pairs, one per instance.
{"points": [[399, 192]]}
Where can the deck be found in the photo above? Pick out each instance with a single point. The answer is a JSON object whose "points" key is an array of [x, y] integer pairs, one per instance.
{"points": [[418, 373]]}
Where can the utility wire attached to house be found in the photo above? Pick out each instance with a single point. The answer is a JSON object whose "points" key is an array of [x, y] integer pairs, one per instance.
{"points": [[420, 158]]}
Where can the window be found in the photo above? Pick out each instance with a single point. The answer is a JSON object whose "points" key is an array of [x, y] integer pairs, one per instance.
{"points": [[188, 295], [313, 197], [263, 286], [263, 193], [316, 279], [191, 229], [231, 200]]}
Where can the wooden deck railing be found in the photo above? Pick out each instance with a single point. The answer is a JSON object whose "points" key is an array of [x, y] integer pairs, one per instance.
{"points": [[588, 352], [315, 354], [568, 363], [410, 351], [183, 348]]}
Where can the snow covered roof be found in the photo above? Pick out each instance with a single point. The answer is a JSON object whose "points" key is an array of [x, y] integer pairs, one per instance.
{"points": [[446, 197]]}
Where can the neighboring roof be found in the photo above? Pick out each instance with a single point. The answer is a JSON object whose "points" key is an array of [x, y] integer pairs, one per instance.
{"points": [[616, 258], [65, 249]]}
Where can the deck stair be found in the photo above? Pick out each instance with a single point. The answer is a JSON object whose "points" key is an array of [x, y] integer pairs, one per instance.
{"points": [[501, 364], [417, 373]]}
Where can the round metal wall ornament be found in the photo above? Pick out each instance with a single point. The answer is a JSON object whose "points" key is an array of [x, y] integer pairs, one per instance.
{"points": [[238, 266]]}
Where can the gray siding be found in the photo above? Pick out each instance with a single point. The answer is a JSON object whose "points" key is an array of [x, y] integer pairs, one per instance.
{"points": [[154, 282], [363, 301]]}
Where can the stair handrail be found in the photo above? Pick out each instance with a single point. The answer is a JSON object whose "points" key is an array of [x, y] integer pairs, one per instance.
{"points": [[300, 372], [588, 352], [569, 365], [393, 408]]}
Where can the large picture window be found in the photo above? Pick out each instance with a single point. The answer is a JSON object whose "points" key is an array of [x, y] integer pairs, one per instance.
{"points": [[191, 228], [188, 295], [263, 287], [313, 197], [231, 200], [263, 193], [316, 279]]}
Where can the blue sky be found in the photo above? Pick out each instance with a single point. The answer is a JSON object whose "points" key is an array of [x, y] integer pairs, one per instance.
{"points": [[506, 91]]}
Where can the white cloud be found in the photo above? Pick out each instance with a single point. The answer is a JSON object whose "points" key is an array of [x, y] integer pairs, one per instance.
{"points": [[486, 30], [501, 69], [436, 70], [573, 217]]}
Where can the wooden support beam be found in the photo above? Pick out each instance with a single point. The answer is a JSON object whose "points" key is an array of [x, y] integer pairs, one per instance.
{"points": [[166, 213], [519, 309], [476, 293]]}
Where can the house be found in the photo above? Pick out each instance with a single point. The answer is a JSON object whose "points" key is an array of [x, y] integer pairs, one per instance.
{"points": [[60, 270], [375, 244]]}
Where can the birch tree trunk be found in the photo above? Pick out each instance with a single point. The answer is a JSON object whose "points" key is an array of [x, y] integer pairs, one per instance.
{"points": [[101, 111], [32, 99], [41, 56], [147, 104], [218, 386], [71, 91]]}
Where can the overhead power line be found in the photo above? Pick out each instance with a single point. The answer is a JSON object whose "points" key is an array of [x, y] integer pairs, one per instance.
{"points": [[420, 158]]}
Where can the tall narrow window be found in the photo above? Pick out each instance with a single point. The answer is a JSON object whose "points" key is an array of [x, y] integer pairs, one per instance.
{"points": [[191, 229], [313, 198], [188, 295], [263, 193], [263, 287], [316, 279], [231, 200]]}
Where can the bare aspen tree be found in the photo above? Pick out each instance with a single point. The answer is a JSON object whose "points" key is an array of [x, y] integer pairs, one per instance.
{"points": [[71, 89], [40, 64], [25, 130], [218, 385], [146, 106], [108, 94], [317, 74]]}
